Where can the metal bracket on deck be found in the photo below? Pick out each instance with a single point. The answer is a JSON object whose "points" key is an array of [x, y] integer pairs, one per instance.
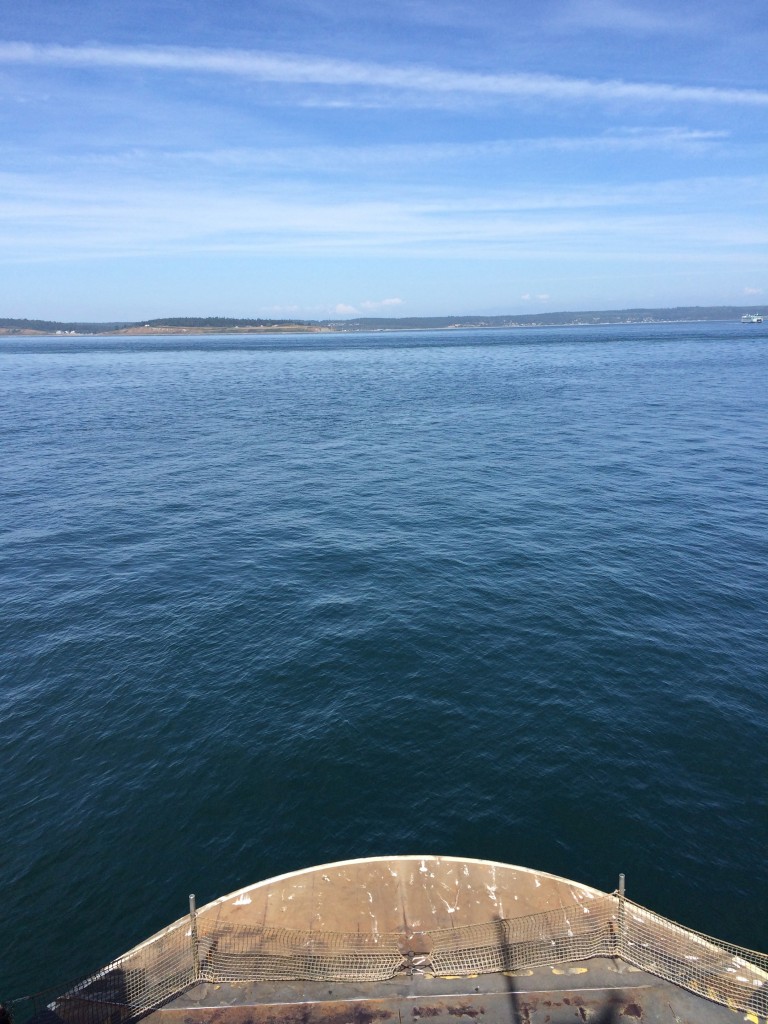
{"points": [[416, 949]]}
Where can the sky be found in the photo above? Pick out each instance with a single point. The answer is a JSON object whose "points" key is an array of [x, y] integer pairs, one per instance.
{"points": [[318, 159]]}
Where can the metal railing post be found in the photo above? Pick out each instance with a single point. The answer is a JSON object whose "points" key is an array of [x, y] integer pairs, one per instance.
{"points": [[622, 915], [193, 933]]}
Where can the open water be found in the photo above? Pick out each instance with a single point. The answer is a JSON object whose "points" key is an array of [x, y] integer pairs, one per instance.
{"points": [[271, 602]]}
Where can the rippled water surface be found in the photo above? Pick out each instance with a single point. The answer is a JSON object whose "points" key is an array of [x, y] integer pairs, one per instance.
{"points": [[271, 602]]}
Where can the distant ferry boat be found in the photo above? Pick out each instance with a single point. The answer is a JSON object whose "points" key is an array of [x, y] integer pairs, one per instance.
{"points": [[752, 318]]}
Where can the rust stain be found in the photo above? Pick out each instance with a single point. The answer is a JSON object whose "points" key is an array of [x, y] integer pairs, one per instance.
{"points": [[632, 1010], [327, 1013]]}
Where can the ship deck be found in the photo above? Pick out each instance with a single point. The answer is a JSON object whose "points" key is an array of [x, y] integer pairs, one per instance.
{"points": [[598, 991], [409, 939], [397, 894], [415, 897]]}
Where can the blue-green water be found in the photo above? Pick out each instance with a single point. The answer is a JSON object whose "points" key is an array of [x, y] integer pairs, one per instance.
{"points": [[271, 602]]}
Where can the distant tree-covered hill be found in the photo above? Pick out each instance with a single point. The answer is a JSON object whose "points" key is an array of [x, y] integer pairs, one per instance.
{"points": [[217, 322], [51, 326]]}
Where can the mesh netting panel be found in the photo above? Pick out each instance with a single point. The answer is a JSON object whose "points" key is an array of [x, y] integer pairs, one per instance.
{"points": [[124, 989], [537, 940], [727, 974], [280, 954], [166, 965]]}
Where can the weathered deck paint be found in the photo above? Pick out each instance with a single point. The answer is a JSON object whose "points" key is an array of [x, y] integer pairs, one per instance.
{"points": [[399, 894]]}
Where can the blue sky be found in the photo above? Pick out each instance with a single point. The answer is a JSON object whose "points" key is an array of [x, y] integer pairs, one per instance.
{"points": [[380, 157]]}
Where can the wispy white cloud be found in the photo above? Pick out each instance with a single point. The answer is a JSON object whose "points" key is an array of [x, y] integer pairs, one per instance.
{"points": [[625, 17], [42, 218], [371, 305], [362, 166], [342, 159], [753, 291], [301, 70], [635, 139]]}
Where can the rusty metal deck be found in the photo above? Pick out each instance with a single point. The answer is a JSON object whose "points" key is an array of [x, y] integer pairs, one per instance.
{"points": [[398, 894], [591, 992], [411, 895], [406, 939]]}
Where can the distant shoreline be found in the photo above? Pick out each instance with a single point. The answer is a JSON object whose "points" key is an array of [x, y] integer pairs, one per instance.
{"points": [[10, 327]]}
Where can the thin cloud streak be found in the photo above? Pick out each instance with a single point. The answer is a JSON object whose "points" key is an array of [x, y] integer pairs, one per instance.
{"points": [[43, 221], [29, 196], [378, 161], [301, 70], [343, 159], [611, 14]]}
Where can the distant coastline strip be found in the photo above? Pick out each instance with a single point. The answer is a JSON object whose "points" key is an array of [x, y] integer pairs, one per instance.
{"points": [[250, 325]]}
